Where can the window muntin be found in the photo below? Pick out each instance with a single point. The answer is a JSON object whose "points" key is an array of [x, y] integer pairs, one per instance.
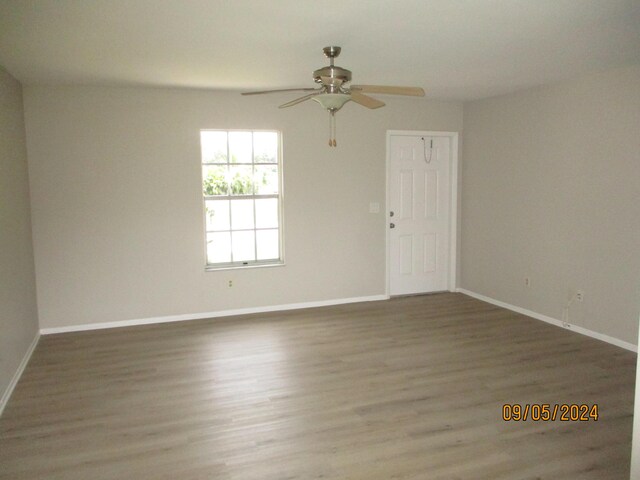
{"points": [[242, 193]]}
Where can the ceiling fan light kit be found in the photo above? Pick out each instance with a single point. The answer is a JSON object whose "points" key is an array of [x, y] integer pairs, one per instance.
{"points": [[333, 94], [332, 101]]}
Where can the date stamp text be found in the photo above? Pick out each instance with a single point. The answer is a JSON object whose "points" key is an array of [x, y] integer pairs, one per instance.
{"points": [[546, 412]]}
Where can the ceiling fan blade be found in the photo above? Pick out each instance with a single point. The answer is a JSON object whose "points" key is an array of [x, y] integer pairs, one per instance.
{"points": [[365, 100], [282, 90], [300, 100], [389, 90]]}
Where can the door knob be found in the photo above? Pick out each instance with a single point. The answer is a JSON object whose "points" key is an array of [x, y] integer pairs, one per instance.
{"points": [[392, 225], [391, 214]]}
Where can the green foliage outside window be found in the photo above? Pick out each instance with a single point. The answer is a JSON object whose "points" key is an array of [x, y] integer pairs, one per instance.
{"points": [[215, 183]]}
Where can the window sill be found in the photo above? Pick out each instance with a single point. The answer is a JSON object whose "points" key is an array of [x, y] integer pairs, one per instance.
{"points": [[212, 268]]}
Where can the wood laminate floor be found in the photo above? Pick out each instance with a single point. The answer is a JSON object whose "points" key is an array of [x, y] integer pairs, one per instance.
{"points": [[410, 388]]}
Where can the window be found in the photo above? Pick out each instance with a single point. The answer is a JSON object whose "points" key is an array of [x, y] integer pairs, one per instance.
{"points": [[241, 183]]}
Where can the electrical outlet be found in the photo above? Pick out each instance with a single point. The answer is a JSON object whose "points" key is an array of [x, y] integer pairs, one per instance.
{"points": [[527, 282], [580, 295], [230, 283]]}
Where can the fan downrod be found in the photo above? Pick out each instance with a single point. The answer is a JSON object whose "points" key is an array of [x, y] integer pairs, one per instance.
{"points": [[332, 71]]}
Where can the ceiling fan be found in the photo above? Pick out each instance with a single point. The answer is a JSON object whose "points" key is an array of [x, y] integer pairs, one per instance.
{"points": [[333, 91]]}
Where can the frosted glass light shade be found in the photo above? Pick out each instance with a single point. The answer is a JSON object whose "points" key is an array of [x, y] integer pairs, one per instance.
{"points": [[332, 101]]}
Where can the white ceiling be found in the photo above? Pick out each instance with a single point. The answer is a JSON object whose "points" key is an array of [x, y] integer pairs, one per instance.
{"points": [[454, 49]]}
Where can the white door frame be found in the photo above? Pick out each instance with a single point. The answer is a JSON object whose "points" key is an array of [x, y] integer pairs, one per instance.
{"points": [[453, 213]]}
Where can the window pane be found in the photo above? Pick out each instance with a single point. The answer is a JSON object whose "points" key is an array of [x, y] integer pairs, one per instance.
{"points": [[218, 247], [241, 179], [243, 246], [265, 147], [267, 213], [268, 245], [241, 214], [240, 148], [266, 179], [214, 180], [217, 215], [214, 147]]}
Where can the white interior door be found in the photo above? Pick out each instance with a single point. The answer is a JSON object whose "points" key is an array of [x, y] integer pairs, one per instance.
{"points": [[419, 213]]}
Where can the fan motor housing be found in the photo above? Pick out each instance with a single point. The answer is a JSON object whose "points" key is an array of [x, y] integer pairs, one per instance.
{"points": [[332, 71]]}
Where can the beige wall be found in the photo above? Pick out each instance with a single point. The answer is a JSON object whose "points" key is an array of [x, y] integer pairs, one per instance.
{"points": [[18, 313], [117, 214], [551, 191]]}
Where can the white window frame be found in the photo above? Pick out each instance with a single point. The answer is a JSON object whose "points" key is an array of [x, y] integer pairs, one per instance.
{"points": [[280, 196]]}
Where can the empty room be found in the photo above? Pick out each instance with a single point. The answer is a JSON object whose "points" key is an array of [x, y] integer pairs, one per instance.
{"points": [[292, 240]]}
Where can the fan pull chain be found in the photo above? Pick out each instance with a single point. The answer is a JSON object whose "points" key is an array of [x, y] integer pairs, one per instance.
{"points": [[333, 117], [332, 128]]}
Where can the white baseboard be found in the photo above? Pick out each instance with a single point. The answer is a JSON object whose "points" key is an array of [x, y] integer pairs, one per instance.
{"points": [[568, 326], [14, 381], [221, 313]]}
